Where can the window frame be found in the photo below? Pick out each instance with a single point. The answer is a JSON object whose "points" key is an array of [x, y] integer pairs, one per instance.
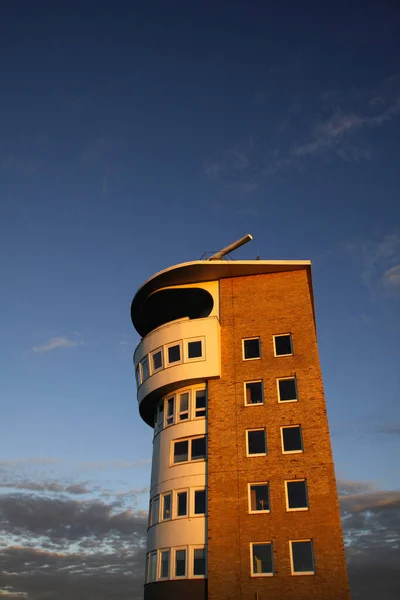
{"points": [[187, 341], [166, 417], [264, 543], [152, 553], [142, 377], [292, 571], [247, 442], [175, 550], [301, 439], [301, 508], [162, 501], [138, 375], [191, 561], [276, 335], [262, 392], [259, 483], [278, 379], [152, 353], [179, 412], [176, 503], [190, 459], [167, 363], [194, 409], [257, 337], [155, 501], [193, 501], [160, 552]]}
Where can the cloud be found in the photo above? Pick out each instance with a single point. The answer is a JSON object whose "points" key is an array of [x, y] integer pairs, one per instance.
{"points": [[57, 342], [235, 160], [391, 277], [46, 486]]}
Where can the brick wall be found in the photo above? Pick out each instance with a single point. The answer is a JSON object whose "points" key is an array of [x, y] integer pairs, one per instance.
{"points": [[265, 305]]}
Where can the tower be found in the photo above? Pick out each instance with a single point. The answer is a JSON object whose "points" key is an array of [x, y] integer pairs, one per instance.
{"points": [[243, 500]]}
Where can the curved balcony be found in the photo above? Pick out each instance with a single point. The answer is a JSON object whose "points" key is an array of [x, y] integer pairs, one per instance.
{"points": [[179, 353]]}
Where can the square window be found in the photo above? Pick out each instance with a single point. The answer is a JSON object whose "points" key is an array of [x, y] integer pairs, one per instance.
{"points": [[181, 451], [253, 392], [262, 559], [164, 561], [287, 389], [283, 344], [170, 410], [174, 354], [296, 494], [153, 566], [199, 561], [198, 448], [181, 509], [195, 349], [166, 507], [256, 442], [145, 368], [292, 439], [259, 497], [251, 348], [183, 407], [180, 563], [200, 502], [200, 403], [157, 360], [302, 557]]}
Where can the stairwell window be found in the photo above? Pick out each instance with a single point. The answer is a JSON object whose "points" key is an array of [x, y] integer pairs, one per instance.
{"points": [[199, 562], [164, 564], [199, 502], [296, 495], [253, 393], [200, 402], [157, 360], [166, 507], [251, 348], [181, 503], [153, 566], [287, 389], [170, 411], [183, 414], [283, 344], [180, 563], [302, 557], [194, 349], [259, 497], [256, 442], [189, 450], [174, 353], [261, 556], [145, 368], [292, 442]]}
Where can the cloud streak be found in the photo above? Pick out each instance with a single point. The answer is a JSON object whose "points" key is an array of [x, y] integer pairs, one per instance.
{"points": [[56, 343]]}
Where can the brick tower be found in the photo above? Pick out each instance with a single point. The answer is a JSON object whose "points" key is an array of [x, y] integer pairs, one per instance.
{"points": [[243, 500]]}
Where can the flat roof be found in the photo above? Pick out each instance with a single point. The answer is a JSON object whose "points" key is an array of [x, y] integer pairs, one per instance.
{"points": [[207, 270]]}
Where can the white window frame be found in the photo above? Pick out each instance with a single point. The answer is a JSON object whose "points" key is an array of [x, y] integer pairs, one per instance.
{"points": [[153, 520], [162, 496], [291, 344], [160, 551], [293, 572], [303, 508], [175, 549], [173, 398], [245, 395], [171, 345], [194, 392], [152, 369], [301, 439], [142, 378], [175, 503], [190, 459], [178, 395], [256, 337], [191, 561], [201, 339], [257, 512], [247, 442], [192, 501], [278, 379], [152, 553], [263, 543]]}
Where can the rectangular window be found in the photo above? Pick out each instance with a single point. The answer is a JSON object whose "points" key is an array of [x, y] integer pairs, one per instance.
{"points": [[296, 495], [251, 348], [256, 442], [145, 368], [253, 393], [150, 519], [283, 344], [199, 562], [164, 564], [137, 375], [157, 360], [262, 563], [292, 441], [174, 354], [180, 563], [200, 502], [166, 507], [195, 349], [287, 389], [160, 420], [183, 414], [156, 510], [181, 504], [153, 566], [302, 557], [170, 411], [259, 497], [198, 448], [189, 450], [181, 451], [200, 403]]}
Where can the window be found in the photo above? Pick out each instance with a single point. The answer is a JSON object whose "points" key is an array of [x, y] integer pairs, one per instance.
{"points": [[170, 411], [195, 349], [198, 448], [183, 414], [251, 348], [164, 564], [181, 451], [253, 393], [150, 518], [200, 403], [292, 439], [302, 557], [283, 344], [189, 450], [261, 559], [181, 504], [160, 420], [199, 562], [287, 389], [153, 566], [166, 507], [156, 510], [157, 360], [200, 502], [174, 354], [137, 375], [145, 368], [258, 497], [180, 563], [256, 442], [296, 495]]}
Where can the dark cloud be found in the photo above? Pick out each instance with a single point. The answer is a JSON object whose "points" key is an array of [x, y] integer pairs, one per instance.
{"points": [[46, 486]]}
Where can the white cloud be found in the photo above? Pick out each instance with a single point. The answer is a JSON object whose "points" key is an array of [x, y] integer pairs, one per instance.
{"points": [[57, 342], [391, 277]]}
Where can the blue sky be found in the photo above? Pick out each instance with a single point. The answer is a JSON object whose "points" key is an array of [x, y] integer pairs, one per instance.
{"points": [[139, 135]]}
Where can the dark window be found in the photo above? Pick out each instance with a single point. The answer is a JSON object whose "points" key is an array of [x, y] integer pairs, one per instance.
{"points": [[254, 392], [164, 564], [181, 451], [184, 406], [199, 561], [292, 441], [198, 448], [287, 389], [283, 345], [160, 416], [297, 494], [145, 368], [303, 557], [251, 348], [170, 411], [182, 504], [180, 563], [200, 502], [256, 442], [194, 350], [259, 496], [262, 559], [174, 353], [153, 566], [137, 374], [201, 403], [157, 360], [166, 507]]}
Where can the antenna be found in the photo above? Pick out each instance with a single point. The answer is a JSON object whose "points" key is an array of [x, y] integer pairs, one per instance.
{"points": [[218, 255]]}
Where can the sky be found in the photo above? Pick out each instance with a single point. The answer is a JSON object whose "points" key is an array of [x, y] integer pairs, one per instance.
{"points": [[138, 135]]}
